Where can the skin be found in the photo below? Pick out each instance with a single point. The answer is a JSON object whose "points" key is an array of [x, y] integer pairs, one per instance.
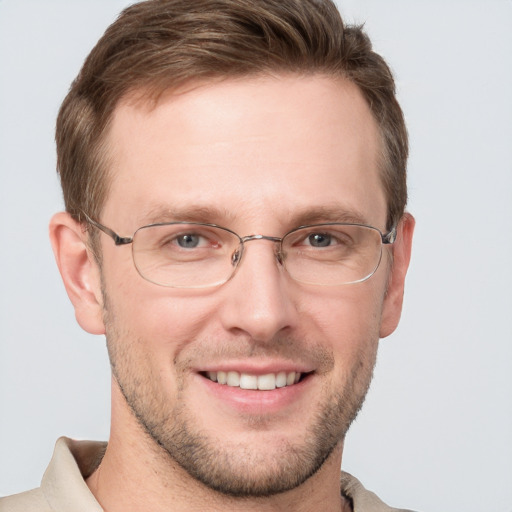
{"points": [[260, 155]]}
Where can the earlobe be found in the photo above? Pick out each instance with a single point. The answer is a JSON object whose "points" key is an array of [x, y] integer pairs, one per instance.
{"points": [[392, 307], [79, 271]]}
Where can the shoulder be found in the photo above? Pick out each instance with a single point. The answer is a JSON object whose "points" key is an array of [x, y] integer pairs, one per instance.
{"points": [[362, 499], [63, 485], [29, 501]]}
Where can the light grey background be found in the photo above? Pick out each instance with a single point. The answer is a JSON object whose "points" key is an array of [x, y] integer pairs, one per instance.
{"points": [[436, 431]]}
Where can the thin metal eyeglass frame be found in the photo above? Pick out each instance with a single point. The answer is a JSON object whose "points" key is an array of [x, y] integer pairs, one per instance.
{"points": [[387, 239]]}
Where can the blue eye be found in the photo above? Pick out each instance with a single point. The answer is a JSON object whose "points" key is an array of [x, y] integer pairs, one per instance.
{"points": [[188, 241], [319, 240]]}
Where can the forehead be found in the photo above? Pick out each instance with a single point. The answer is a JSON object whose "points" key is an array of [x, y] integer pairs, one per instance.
{"points": [[246, 149]]}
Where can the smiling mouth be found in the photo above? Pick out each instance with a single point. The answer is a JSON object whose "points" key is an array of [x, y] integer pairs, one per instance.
{"points": [[266, 382]]}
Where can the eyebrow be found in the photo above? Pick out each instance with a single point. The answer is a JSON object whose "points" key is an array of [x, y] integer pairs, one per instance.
{"points": [[224, 217], [328, 213], [191, 213]]}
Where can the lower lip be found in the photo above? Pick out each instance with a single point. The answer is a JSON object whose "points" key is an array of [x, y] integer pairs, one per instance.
{"points": [[249, 401]]}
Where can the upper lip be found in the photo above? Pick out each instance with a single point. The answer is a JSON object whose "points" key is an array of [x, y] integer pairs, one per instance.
{"points": [[257, 368]]}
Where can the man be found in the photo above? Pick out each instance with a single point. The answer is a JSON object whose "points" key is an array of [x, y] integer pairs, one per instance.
{"points": [[234, 179]]}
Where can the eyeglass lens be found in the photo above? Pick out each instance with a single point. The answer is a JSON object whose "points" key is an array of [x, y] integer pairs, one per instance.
{"points": [[196, 255]]}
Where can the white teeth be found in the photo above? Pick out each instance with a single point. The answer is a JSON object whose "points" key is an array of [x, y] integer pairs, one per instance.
{"points": [[248, 381], [266, 382], [281, 380], [233, 379]]}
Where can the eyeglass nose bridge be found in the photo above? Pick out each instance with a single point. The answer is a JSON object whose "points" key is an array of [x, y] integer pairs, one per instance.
{"points": [[236, 257]]}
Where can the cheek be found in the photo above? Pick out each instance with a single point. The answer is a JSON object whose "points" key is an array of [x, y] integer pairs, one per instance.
{"points": [[162, 319], [347, 319]]}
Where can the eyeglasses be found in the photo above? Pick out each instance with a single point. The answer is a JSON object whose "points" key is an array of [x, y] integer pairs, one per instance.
{"points": [[200, 255]]}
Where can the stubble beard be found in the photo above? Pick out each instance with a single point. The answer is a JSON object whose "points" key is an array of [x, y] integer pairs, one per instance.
{"points": [[235, 470]]}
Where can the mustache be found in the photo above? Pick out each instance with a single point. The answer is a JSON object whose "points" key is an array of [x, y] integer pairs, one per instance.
{"points": [[293, 349]]}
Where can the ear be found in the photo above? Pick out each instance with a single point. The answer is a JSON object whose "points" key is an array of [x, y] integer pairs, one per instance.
{"points": [[392, 308], [79, 271]]}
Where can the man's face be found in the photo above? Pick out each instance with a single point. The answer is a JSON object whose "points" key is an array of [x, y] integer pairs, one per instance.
{"points": [[258, 156]]}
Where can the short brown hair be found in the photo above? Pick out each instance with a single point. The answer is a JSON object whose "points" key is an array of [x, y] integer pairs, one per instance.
{"points": [[157, 45]]}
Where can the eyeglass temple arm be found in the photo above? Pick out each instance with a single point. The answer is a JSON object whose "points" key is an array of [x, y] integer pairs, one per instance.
{"points": [[118, 240], [389, 237]]}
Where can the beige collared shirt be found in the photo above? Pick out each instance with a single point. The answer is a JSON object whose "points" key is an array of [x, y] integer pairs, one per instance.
{"points": [[63, 487]]}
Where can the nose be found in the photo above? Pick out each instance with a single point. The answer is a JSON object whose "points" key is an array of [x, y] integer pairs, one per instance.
{"points": [[259, 299]]}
